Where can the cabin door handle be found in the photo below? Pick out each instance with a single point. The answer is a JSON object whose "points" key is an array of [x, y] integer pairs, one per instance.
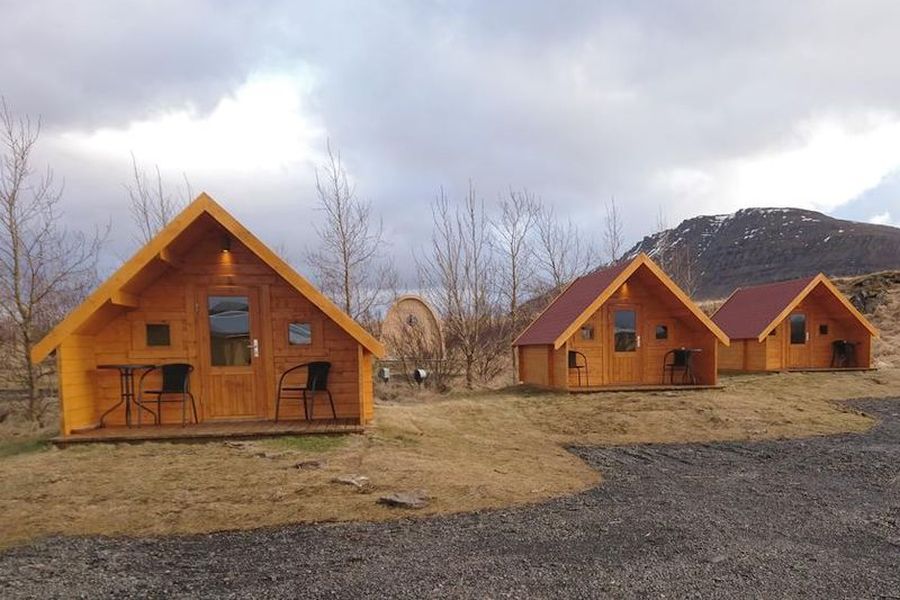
{"points": [[255, 347]]}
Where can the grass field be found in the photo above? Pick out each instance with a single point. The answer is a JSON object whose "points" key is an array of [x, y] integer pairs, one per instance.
{"points": [[469, 452]]}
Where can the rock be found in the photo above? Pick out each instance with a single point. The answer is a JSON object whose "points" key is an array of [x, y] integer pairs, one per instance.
{"points": [[308, 465], [415, 499], [269, 454], [360, 482], [717, 559], [236, 445]]}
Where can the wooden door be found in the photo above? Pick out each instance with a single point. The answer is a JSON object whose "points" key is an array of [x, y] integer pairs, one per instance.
{"points": [[798, 341], [233, 374], [624, 344]]}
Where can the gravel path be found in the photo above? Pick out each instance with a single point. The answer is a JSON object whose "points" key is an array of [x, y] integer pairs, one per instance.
{"points": [[807, 518]]}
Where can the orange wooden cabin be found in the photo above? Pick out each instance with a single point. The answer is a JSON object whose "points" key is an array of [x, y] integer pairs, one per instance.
{"points": [[207, 292], [619, 327], [803, 324]]}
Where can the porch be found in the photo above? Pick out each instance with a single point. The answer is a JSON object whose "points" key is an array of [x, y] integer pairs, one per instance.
{"points": [[209, 431], [641, 388]]}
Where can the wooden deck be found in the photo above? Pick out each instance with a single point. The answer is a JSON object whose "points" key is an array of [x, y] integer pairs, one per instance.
{"points": [[210, 431], [642, 388]]}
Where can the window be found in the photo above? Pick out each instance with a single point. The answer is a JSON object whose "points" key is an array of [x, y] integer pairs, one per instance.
{"points": [[798, 329], [823, 329], [158, 334], [772, 333], [587, 332], [662, 332], [625, 331], [412, 320], [229, 330], [299, 334]]}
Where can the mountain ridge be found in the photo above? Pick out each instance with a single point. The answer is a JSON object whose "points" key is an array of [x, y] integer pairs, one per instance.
{"points": [[712, 255]]}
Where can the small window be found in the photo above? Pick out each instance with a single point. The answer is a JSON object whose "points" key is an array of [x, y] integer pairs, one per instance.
{"points": [[587, 332], [412, 320], [798, 329], [662, 332], [772, 333], [299, 334], [158, 334], [823, 329]]}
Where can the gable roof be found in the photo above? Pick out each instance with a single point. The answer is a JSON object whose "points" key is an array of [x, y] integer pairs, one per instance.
{"points": [[157, 249], [581, 299], [753, 312]]}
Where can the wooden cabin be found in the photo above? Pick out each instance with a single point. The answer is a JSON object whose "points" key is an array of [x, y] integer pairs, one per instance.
{"points": [[205, 291], [803, 324], [617, 328]]}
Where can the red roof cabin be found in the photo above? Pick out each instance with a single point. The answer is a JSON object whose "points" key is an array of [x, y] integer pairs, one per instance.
{"points": [[803, 324], [628, 325]]}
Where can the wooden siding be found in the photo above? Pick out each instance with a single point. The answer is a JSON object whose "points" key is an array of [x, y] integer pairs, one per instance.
{"points": [[176, 296], [535, 364]]}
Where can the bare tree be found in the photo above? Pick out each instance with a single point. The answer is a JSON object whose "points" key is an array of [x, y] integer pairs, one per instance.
{"points": [[347, 262], [458, 274], [153, 203], [514, 228], [44, 269], [676, 257], [612, 232], [561, 252]]}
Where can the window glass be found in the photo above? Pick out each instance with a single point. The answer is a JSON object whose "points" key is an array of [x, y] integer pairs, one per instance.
{"points": [[158, 334], [662, 332], [798, 329], [229, 330], [587, 332], [625, 331], [823, 329], [299, 334]]}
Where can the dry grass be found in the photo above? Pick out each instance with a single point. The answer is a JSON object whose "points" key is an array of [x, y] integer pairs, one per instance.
{"points": [[487, 450]]}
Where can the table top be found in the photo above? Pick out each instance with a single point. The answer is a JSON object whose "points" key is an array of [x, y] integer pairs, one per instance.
{"points": [[126, 366]]}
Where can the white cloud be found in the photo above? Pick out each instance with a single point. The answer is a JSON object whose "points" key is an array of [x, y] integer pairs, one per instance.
{"points": [[261, 127], [881, 219], [827, 163]]}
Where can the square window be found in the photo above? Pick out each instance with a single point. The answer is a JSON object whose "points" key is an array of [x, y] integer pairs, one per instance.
{"points": [[823, 329], [299, 334], [158, 334], [587, 332], [662, 332]]}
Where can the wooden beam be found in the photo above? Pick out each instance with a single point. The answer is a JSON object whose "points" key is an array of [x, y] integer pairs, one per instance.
{"points": [[166, 256], [125, 299]]}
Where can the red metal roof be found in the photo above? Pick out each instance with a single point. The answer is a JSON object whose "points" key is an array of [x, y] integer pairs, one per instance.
{"points": [[568, 306], [748, 311]]}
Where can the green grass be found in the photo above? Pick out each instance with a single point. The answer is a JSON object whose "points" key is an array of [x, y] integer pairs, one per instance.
{"points": [[307, 443], [15, 447]]}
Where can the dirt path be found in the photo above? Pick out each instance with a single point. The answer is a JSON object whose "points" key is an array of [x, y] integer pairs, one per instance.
{"points": [[818, 517]]}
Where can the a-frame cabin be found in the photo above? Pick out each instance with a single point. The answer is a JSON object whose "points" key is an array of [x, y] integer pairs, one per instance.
{"points": [[206, 292]]}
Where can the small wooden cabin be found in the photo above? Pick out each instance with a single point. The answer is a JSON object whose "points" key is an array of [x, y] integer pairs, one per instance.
{"points": [[615, 328], [803, 324], [207, 292]]}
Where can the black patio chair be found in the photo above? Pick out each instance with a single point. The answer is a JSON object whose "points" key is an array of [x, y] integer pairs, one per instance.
{"points": [[843, 354], [316, 381], [574, 355], [176, 387], [681, 361]]}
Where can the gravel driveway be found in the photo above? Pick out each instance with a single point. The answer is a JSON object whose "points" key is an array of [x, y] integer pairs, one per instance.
{"points": [[806, 518]]}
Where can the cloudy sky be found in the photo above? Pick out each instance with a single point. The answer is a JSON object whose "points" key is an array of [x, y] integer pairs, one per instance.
{"points": [[698, 107]]}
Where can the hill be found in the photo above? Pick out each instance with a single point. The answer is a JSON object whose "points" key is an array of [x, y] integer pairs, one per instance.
{"points": [[713, 255]]}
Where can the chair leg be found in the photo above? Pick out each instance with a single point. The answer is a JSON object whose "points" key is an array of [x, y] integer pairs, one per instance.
{"points": [[307, 410], [183, 409], [194, 407], [277, 404], [159, 409], [331, 399]]}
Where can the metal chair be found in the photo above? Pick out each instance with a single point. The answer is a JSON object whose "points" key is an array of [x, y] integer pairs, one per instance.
{"points": [[843, 354], [681, 361], [316, 381], [573, 364], [176, 380]]}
